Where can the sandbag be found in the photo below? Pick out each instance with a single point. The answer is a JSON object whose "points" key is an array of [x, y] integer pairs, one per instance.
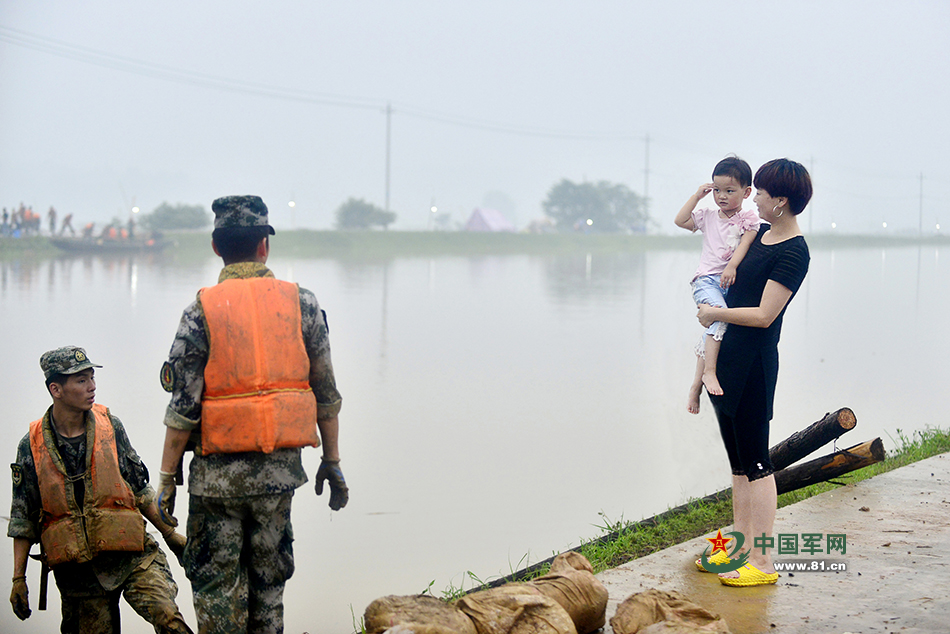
{"points": [[658, 612], [515, 608], [571, 582], [419, 614]]}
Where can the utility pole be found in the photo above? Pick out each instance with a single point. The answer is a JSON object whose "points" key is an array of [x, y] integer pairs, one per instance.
{"points": [[389, 118], [646, 178], [811, 170]]}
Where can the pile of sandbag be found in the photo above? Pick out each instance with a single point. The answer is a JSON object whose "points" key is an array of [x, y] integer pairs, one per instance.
{"points": [[571, 582], [567, 600], [515, 608], [658, 612], [419, 614]]}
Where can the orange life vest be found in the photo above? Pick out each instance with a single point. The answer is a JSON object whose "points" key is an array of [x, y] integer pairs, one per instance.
{"points": [[257, 394], [109, 519]]}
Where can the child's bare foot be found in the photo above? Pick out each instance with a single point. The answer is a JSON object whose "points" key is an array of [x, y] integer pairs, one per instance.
{"points": [[692, 404], [712, 383]]}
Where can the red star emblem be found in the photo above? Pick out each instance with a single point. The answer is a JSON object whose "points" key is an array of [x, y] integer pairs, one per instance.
{"points": [[718, 543]]}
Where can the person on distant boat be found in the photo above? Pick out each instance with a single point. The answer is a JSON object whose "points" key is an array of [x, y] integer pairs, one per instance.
{"points": [[68, 224], [31, 222], [51, 218], [251, 383], [87, 230]]}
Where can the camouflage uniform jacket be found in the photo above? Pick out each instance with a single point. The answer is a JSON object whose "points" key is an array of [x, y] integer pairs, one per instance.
{"points": [[111, 569], [249, 473]]}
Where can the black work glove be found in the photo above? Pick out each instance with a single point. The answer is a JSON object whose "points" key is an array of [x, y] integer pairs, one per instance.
{"points": [[20, 599], [339, 493]]}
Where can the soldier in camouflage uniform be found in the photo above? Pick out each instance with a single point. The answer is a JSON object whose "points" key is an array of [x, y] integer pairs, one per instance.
{"points": [[239, 553], [53, 462]]}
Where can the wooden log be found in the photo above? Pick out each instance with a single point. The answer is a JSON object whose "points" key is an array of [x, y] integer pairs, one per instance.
{"points": [[830, 466], [803, 442]]}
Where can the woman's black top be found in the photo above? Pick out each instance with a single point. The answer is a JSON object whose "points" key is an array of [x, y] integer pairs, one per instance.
{"points": [[787, 264]]}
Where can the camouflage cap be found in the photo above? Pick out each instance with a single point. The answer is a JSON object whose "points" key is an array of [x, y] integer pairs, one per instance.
{"points": [[65, 360], [240, 211]]}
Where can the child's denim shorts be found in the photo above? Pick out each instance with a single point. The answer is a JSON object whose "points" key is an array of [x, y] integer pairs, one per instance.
{"points": [[706, 290]]}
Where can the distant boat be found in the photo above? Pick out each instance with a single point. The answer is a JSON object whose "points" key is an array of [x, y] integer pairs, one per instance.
{"points": [[107, 245]]}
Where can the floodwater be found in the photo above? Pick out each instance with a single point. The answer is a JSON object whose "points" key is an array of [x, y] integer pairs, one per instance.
{"points": [[496, 409]]}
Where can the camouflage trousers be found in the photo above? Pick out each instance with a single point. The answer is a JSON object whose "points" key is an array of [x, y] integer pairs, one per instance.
{"points": [[150, 589], [238, 558]]}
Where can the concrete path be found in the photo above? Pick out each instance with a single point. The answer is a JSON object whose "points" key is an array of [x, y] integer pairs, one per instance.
{"points": [[897, 527]]}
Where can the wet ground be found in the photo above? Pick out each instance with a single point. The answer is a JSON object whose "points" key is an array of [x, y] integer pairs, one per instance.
{"points": [[897, 528]]}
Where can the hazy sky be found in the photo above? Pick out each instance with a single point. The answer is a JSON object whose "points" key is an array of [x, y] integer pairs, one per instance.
{"points": [[109, 104]]}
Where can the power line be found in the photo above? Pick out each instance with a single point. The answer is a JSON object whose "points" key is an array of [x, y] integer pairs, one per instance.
{"points": [[177, 75], [504, 128], [142, 68]]}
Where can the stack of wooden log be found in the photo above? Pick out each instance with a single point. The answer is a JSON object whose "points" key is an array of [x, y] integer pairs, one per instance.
{"points": [[827, 467]]}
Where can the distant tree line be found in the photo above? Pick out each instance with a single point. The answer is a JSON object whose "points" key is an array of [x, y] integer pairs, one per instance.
{"points": [[602, 207], [167, 217], [352, 214], [359, 214]]}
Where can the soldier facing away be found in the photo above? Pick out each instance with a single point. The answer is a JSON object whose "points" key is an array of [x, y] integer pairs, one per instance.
{"points": [[251, 382], [81, 491]]}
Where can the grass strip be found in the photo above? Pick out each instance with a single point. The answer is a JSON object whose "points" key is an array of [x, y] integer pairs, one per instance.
{"points": [[27, 247]]}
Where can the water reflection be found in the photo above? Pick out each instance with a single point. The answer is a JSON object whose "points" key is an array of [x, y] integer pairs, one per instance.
{"points": [[493, 406], [586, 276], [357, 276]]}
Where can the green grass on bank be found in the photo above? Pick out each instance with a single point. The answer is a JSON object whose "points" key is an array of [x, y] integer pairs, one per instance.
{"points": [[624, 541], [33, 246]]}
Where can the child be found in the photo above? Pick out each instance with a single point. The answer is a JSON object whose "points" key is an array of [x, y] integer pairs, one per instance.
{"points": [[727, 233]]}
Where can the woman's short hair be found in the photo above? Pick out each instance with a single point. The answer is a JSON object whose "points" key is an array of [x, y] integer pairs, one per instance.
{"points": [[734, 167], [238, 244], [788, 179]]}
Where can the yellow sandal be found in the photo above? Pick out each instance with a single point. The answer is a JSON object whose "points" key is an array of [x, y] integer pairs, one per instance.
{"points": [[749, 575], [719, 559]]}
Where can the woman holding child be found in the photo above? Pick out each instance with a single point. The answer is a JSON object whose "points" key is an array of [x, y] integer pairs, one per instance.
{"points": [[766, 281]]}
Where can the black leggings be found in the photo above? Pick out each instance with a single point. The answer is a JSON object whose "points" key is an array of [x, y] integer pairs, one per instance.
{"points": [[746, 433]]}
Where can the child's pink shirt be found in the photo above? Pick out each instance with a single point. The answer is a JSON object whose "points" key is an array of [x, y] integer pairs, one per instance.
{"points": [[721, 236]]}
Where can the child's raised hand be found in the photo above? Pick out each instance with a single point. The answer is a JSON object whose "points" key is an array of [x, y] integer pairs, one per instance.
{"points": [[704, 189]]}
